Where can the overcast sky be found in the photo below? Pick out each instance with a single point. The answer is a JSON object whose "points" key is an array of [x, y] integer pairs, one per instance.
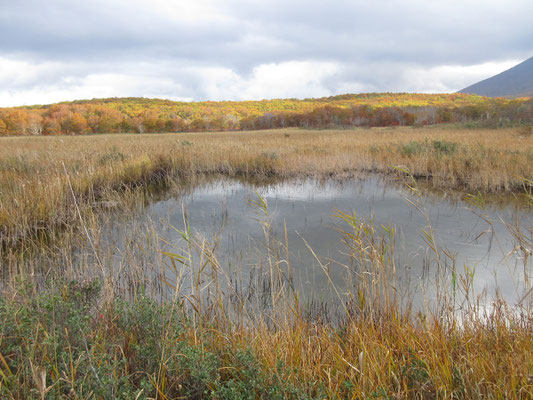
{"points": [[58, 50]]}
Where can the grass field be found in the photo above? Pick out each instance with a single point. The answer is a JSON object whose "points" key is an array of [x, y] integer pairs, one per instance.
{"points": [[66, 332], [33, 171]]}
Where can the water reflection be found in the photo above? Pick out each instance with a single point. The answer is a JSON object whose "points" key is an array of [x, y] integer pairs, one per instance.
{"points": [[301, 214]]}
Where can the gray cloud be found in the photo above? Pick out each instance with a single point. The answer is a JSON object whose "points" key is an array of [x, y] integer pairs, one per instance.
{"points": [[208, 49]]}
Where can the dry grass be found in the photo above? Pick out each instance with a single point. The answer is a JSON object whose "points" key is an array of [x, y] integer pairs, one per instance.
{"points": [[33, 187], [75, 341], [211, 339]]}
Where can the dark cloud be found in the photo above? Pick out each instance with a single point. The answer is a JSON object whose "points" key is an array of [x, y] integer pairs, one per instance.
{"points": [[373, 45]]}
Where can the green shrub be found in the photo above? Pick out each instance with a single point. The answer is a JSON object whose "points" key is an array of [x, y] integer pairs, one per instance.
{"points": [[112, 156], [444, 147], [412, 148], [62, 343]]}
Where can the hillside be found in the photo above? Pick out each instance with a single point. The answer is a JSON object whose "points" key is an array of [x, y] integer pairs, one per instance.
{"points": [[513, 83], [138, 115]]}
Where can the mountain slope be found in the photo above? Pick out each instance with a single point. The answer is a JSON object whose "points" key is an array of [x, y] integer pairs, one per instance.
{"points": [[515, 82]]}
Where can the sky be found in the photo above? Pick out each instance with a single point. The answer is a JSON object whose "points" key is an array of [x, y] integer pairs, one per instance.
{"points": [[193, 50]]}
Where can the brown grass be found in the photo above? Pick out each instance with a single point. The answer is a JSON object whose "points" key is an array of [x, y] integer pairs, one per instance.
{"points": [[34, 195], [379, 349]]}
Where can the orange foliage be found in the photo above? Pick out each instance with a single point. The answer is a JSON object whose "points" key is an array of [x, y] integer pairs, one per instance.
{"points": [[3, 127], [116, 115]]}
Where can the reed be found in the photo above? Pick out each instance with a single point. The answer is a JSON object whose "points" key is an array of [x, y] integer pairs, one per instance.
{"points": [[214, 336], [104, 169], [170, 320]]}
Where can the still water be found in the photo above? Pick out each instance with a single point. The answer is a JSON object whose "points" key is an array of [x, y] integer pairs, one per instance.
{"points": [[301, 216]]}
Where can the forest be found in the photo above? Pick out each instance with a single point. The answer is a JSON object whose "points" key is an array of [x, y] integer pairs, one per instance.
{"points": [[140, 115]]}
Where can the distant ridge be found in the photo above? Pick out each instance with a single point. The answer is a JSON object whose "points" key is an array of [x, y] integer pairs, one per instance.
{"points": [[515, 82]]}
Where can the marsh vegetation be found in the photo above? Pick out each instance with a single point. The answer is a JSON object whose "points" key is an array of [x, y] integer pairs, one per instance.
{"points": [[99, 301]]}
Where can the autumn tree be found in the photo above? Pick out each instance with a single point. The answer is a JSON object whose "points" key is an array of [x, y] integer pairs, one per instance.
{"points": [[57, 112], [74, 123], [34, 124], [16, 122], [198, 125], [368, 109], [175, 124], [3, 127], [51, 126], [231, 121], [102, 119], [149, 121]]}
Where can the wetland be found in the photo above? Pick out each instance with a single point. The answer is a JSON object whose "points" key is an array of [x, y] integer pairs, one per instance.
{"points": [[357, 263], [433, 235]]}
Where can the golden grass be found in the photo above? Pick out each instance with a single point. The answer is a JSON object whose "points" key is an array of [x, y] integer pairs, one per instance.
{"points": [[379, 349], [34, 195]]}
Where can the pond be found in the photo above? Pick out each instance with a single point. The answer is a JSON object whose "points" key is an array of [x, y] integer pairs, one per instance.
{"points": [[436, 239]]}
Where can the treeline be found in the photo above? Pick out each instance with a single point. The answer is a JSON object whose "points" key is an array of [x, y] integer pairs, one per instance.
{"points": [[152, 115], [491, 116]]}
